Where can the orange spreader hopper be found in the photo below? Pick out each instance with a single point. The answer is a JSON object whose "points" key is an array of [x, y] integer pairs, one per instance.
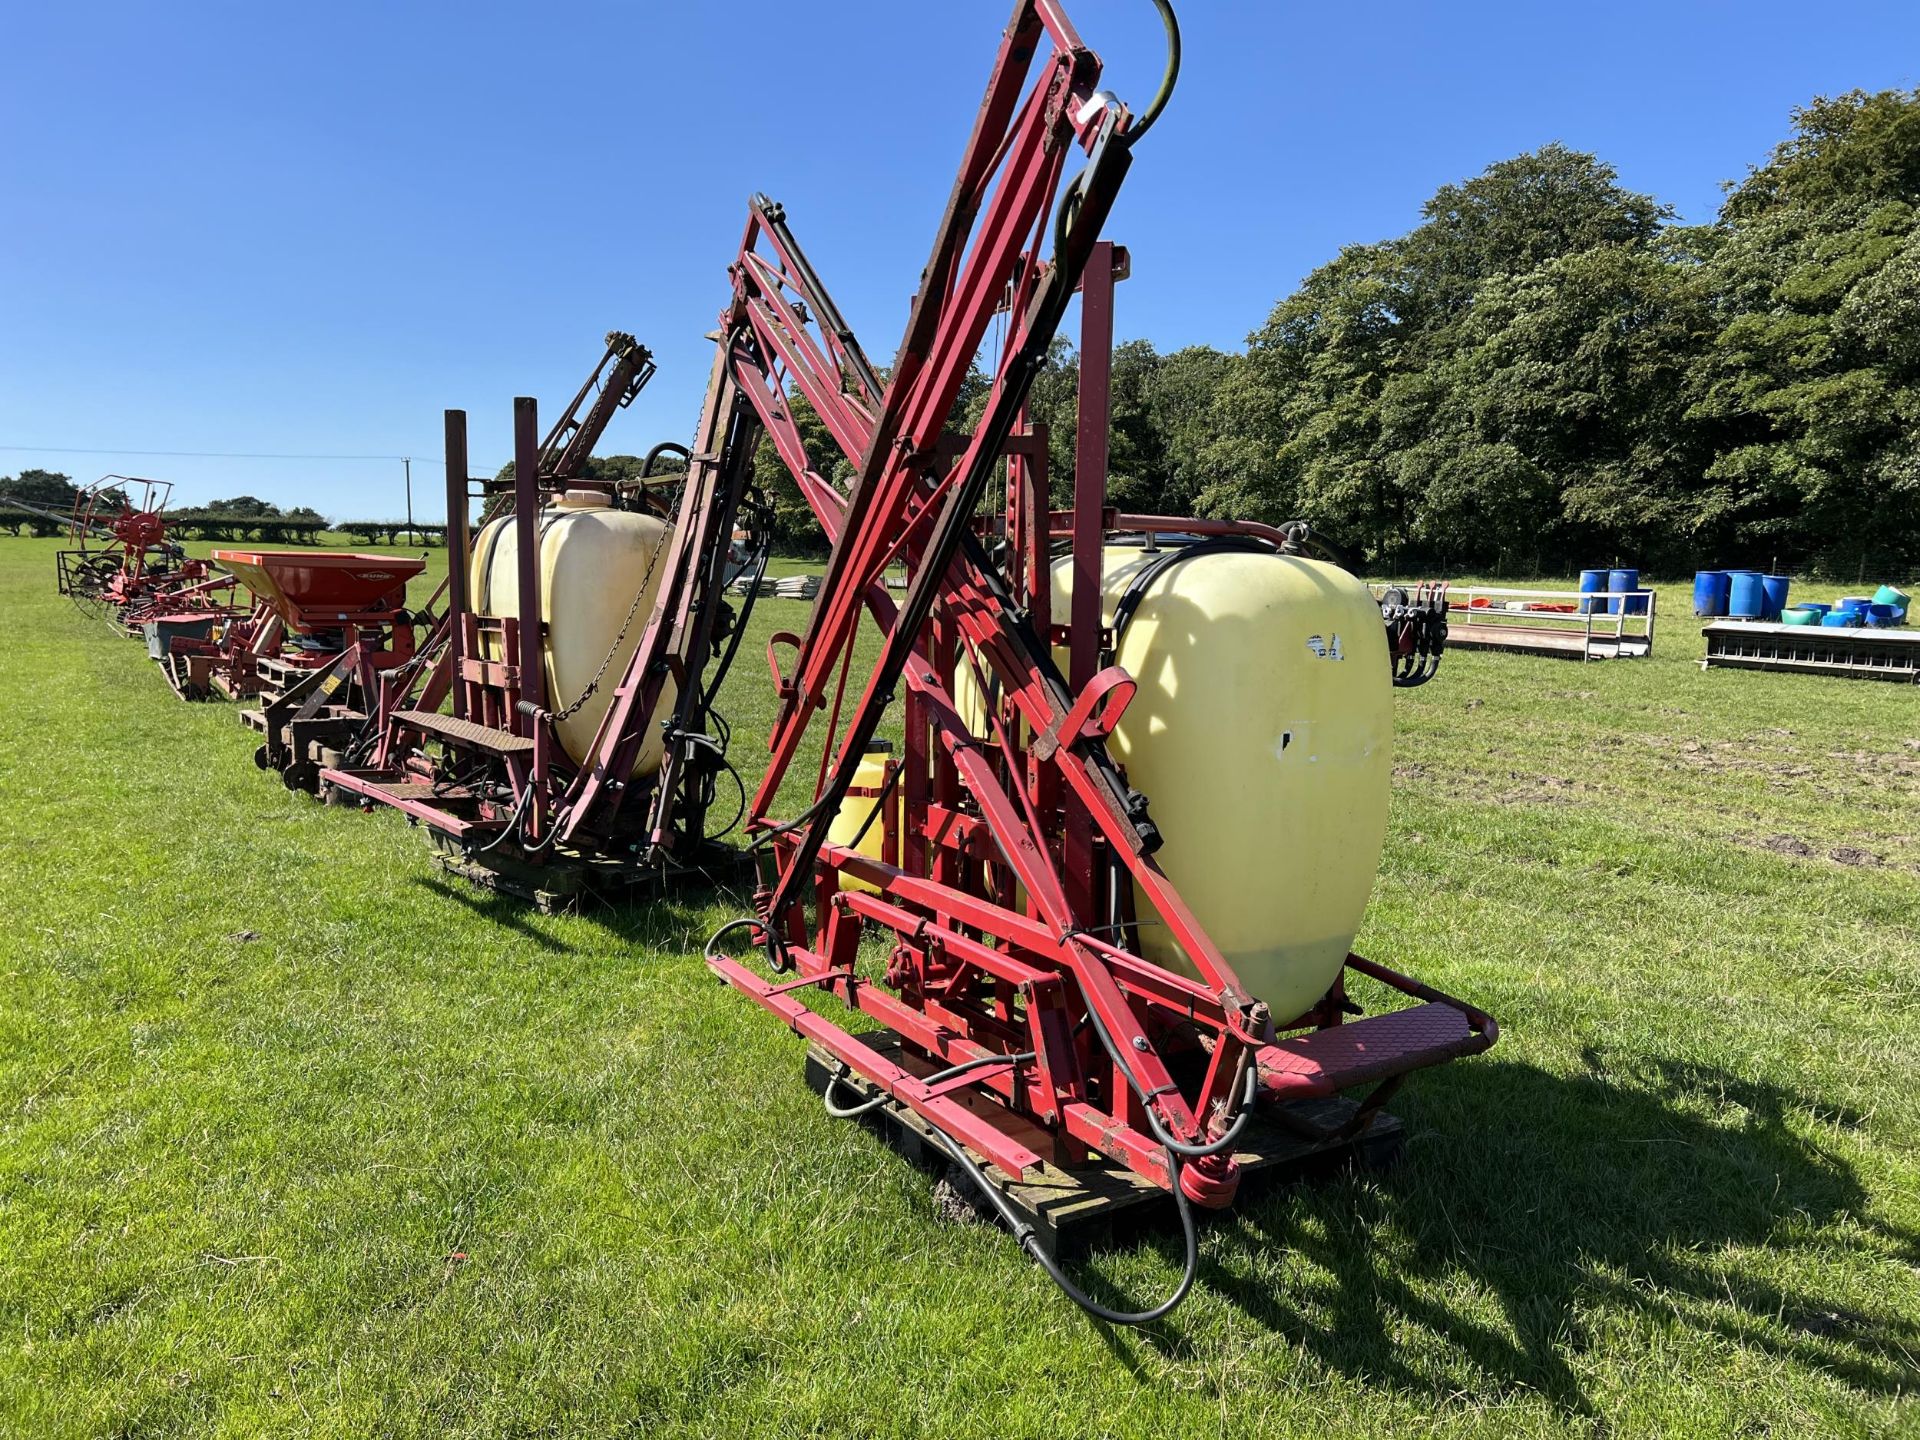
{"points": [[316, 587]]}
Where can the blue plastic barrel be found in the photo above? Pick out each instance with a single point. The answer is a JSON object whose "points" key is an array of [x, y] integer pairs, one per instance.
{"points": [[1842, 619], [1710, 593], [1592, 581], [1774, 587], [1883, 615], [1818, 607], [1853, 604], [1746, 595], [1621, 604]]}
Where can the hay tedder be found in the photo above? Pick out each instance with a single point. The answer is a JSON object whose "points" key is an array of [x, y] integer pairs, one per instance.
{"points": [[122, 564], [1091, 837]]}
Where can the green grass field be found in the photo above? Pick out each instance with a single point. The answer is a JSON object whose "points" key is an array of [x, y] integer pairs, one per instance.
{"points": [[299, 1137]]}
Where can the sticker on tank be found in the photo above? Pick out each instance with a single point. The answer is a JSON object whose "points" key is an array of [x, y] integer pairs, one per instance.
{"points": [[1327, 648]]}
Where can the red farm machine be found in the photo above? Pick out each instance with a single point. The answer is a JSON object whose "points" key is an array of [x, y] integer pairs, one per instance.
{"points": [[565, 741], [330, 631], [124, 566], [1092, 835], [331, 650]]}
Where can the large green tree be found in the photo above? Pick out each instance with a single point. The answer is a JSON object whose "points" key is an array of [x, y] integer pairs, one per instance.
{"points": [[1547, 371], [243, 507], [1473, 391], [1812, 381]]}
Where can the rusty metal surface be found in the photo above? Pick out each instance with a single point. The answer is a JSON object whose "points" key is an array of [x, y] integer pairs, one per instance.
{"points": [[465, 733]]}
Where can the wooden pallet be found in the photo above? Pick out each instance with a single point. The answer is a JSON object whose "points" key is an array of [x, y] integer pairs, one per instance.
{"points": [[1539, 640], [1073, 1209]]}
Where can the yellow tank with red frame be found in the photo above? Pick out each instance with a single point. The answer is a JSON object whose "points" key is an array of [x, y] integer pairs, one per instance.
{"points": [[600, 570], [1262, 735]]}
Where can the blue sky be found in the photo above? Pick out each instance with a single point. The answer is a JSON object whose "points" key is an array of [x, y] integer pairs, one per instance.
{"points": [[308, 229]]}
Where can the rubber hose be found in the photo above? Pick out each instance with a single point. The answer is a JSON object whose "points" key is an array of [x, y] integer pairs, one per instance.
{"points": [[1167, 80]]}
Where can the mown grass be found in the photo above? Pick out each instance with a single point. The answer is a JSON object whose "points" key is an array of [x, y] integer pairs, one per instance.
{"points": [[296, 1136]]}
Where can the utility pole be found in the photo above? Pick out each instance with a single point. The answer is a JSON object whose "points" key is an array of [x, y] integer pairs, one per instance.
{"points": [[408, 463]]}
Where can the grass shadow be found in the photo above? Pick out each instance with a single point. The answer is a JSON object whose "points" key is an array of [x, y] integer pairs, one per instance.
{"points": [[654, 913], [1559, 1196], [508, 911]]}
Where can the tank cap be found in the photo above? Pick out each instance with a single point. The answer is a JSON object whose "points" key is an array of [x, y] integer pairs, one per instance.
{"points": [[584, 500]]}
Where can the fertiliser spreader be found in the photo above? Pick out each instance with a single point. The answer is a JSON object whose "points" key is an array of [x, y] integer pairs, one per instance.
{"points": [[326, 630]]}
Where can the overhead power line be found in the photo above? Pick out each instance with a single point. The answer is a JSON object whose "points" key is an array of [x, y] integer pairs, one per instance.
{"points": [[212, 454]]}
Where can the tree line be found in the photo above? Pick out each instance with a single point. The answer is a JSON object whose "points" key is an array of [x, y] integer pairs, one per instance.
{"points": [[1549, 371], [239, 518]]}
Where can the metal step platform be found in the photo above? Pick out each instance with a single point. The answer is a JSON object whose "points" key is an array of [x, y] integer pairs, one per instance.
{"points": [[465, 733], [1360, 1052]]}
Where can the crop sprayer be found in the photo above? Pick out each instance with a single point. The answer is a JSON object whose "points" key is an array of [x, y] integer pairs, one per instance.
{"points": [[1096, 798], [581, 750], [1101, 890]]}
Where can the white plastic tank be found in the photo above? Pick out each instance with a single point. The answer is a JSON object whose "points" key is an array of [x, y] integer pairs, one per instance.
{"points": [[600, 570]]}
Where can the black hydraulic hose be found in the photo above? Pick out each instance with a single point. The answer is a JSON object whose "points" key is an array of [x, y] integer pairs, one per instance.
{"points": [[805, 818], [771, 943], [761, 555], [879, 804], [513, 823], [1178, 1147], [1169, 79], [713, 940], [1171, 556], [847, 1112], [739, 814], [646, 464], [1024, 1233]]}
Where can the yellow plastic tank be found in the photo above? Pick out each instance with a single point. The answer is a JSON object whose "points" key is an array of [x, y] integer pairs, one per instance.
{"points": [[594, 559], [869, 778], [1262, 736]]}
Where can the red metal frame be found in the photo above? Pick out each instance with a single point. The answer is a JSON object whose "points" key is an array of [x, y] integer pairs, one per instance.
{"points": [[502, 789], [1022, 851], [136, 574], [308, 609]]}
